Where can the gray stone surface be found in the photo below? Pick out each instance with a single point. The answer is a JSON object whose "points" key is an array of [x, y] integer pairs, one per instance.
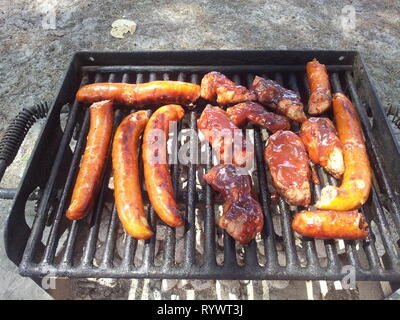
{"points": [[33, 60]]}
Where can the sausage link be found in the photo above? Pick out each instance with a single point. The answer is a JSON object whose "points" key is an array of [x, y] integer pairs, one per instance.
{"points": [[93, 162], [156, 170], [347, 225], [320, 88], [150, 93], [254, 112], [356, 183], [128, 196]]}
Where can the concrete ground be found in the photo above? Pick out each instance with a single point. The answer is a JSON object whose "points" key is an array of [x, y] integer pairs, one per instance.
{"points": [[38, 38]]}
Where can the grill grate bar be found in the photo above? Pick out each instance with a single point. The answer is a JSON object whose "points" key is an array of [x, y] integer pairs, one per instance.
{"points": [[69, 249], [284, 209], [250, 253], [386, 234], [95, 220], [269, 233], [250, 258], [309, 244], [150, 245], [191, 191], [209, 219], [169, 251], [229, 251], [110, 240], [205, 69], [370, 250]]}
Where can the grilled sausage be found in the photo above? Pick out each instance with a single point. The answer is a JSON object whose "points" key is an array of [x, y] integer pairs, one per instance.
{"points": [[242, 214], [320, 88], [143, 94], [323, 145], [254, 112], [288, 163], [279, 99], [346, 225], [220, 131], [128, 197], [356, 183], [217, 87], [156, 170], [93, 161]]}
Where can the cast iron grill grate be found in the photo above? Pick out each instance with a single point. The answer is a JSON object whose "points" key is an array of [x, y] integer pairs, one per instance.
{"points": [[97, 246]]}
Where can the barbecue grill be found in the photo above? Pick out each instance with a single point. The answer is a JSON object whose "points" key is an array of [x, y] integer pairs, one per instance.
{"points": [[208, 252]]}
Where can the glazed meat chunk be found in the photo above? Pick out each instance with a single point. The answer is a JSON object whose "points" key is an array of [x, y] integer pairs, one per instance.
{"points": [[323, 145], [242, 214], [287, 160], [255, 113], [279, 99], [220, 132], [217, 87]]}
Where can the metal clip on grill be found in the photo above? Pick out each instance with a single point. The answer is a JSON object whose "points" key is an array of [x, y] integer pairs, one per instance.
{"points": [[98, 247]]}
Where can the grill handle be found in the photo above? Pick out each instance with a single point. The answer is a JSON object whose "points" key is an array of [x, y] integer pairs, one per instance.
{"points": [[17, 131]]}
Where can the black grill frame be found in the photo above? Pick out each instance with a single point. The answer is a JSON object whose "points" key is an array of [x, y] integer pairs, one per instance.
{"points": [[50, 170]]}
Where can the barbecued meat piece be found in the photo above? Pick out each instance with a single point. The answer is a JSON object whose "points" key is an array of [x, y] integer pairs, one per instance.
{"points": [[323, 145], [254, 112], [288, 163], [242, 214], [220, 132], [217, 87], [279, 99]]}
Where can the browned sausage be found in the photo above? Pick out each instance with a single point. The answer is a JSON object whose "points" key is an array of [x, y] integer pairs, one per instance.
{"points": [[288, 163], [143, 94], [320, 88], [128, 196], [254, 112], [279, 99], [93, 162], [323, 145], [155, 162], [347, 225], [357, 178], [217, 87], [242, 214], [219, 131]]}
